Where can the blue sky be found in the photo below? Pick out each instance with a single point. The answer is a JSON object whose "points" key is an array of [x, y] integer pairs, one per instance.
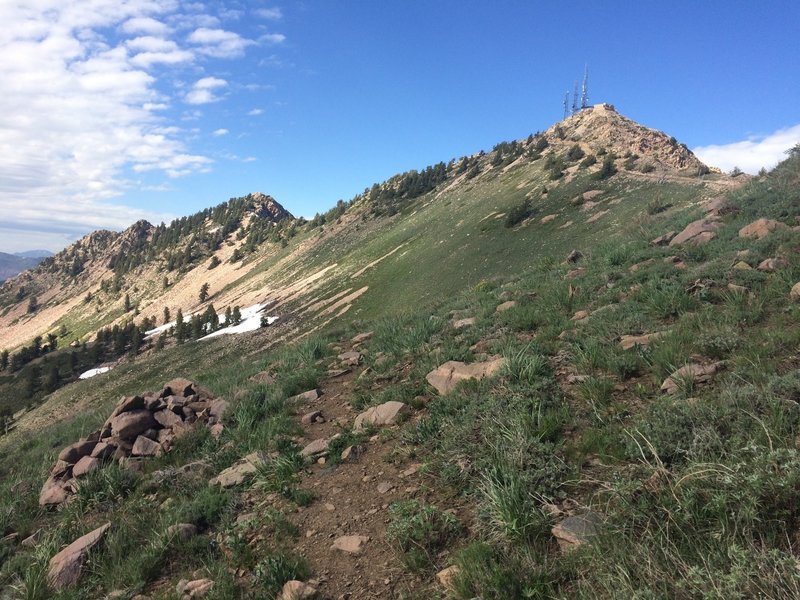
{"points": [[118, 110]]}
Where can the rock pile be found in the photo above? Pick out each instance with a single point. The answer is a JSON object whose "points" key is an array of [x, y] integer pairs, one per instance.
{"points": [[139, 426]]}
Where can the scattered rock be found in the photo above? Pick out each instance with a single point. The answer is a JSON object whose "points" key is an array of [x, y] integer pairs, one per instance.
{"points": [[351, 544], [761, 228], [195, 589], [381, 415], [53, 492], [576, 530], [627, 342], [130, 424], [737, 289], [548, 218], [461, 323], [297, 590], [263, 377], [66, 566], [574, 256], [505, 306], [696, 233], [352, 453], [445, 377], [316, 447], [238, 472], [794, 293], [308, 396], [179, 387], [315, 416], [362, 337], [742, 266], [591, 194], [575, 273], [663, 240], [351, 358], [696, 372], [769, 265], [580, 316], [446, 576]]}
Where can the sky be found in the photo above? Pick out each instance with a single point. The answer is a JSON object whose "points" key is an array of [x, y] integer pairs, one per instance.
{"points": [[117, 110]]}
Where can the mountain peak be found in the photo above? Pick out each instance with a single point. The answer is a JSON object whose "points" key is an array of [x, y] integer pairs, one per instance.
{"points": [[601, 126]]}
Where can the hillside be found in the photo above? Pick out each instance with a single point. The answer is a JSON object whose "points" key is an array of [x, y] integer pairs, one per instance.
{"points": [[519, 374]]}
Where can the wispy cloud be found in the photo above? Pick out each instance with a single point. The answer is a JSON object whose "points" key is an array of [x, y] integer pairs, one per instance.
{"points": [[752, 154], [271, 14], [255, 112], [204, 91], [219, 43], [220, 132]]}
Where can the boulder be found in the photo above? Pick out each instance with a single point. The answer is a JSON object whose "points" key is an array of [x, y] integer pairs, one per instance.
{"points": [[66, 566], [381, 415], [351, 544], [218, 408], [145, 447], [74, 452], [696, 372], [575, 273], [85, 465], [297, 590], [196, 588], [742, 266], [445, 377], [238, 472], [103, 450], [576, 530], [53, 492], [761, 228], [128, 425], [794, 293], [352, 453], [580, 316], [167, 418], [179, 387], [505, 306], [696, 233], [127, 404]]}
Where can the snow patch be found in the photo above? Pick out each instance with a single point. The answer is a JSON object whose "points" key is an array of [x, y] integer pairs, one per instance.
{"points": [[251, 320], [93, 372]]}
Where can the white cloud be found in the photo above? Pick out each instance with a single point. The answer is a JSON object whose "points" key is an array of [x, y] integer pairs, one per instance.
{"points": [[752, 154], [204, 90], [272, 38], [82, 108], [272, 14], [249, 159], [146, 25], [255, 112], [219, 43], [220, 132]]}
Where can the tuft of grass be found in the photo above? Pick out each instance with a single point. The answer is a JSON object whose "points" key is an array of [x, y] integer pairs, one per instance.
{"points": [[419, 532]]}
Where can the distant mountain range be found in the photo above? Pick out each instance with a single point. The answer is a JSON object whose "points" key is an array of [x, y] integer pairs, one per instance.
{"points": [[13, 264]]}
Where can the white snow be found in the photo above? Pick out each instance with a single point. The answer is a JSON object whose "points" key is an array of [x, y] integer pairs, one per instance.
{"points": [[93, 372], [251, 320]]}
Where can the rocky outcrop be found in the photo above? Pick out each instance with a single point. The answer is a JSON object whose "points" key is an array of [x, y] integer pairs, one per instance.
{"points": [[576, 530], [446, 377], [138, 427], [694, 373]]}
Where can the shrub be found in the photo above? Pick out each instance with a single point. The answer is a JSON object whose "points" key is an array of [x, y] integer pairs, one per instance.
{"points": [[279, 567], [518, 213], [419, 532], [607, 169], [575, 153]]}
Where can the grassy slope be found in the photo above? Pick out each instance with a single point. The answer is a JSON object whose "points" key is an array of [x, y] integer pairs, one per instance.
{"points": [[698, 496]]}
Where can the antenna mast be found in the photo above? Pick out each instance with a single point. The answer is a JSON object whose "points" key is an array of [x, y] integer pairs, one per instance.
{"points": [[585, 94], [566, 105], [575, 99]]}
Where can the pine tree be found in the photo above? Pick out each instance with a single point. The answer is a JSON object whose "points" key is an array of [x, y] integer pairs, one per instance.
{"points": [[228, 316], [236, 315], [180, 327], [127, 303], [3, 360], [166, 315], [204, 292]]}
